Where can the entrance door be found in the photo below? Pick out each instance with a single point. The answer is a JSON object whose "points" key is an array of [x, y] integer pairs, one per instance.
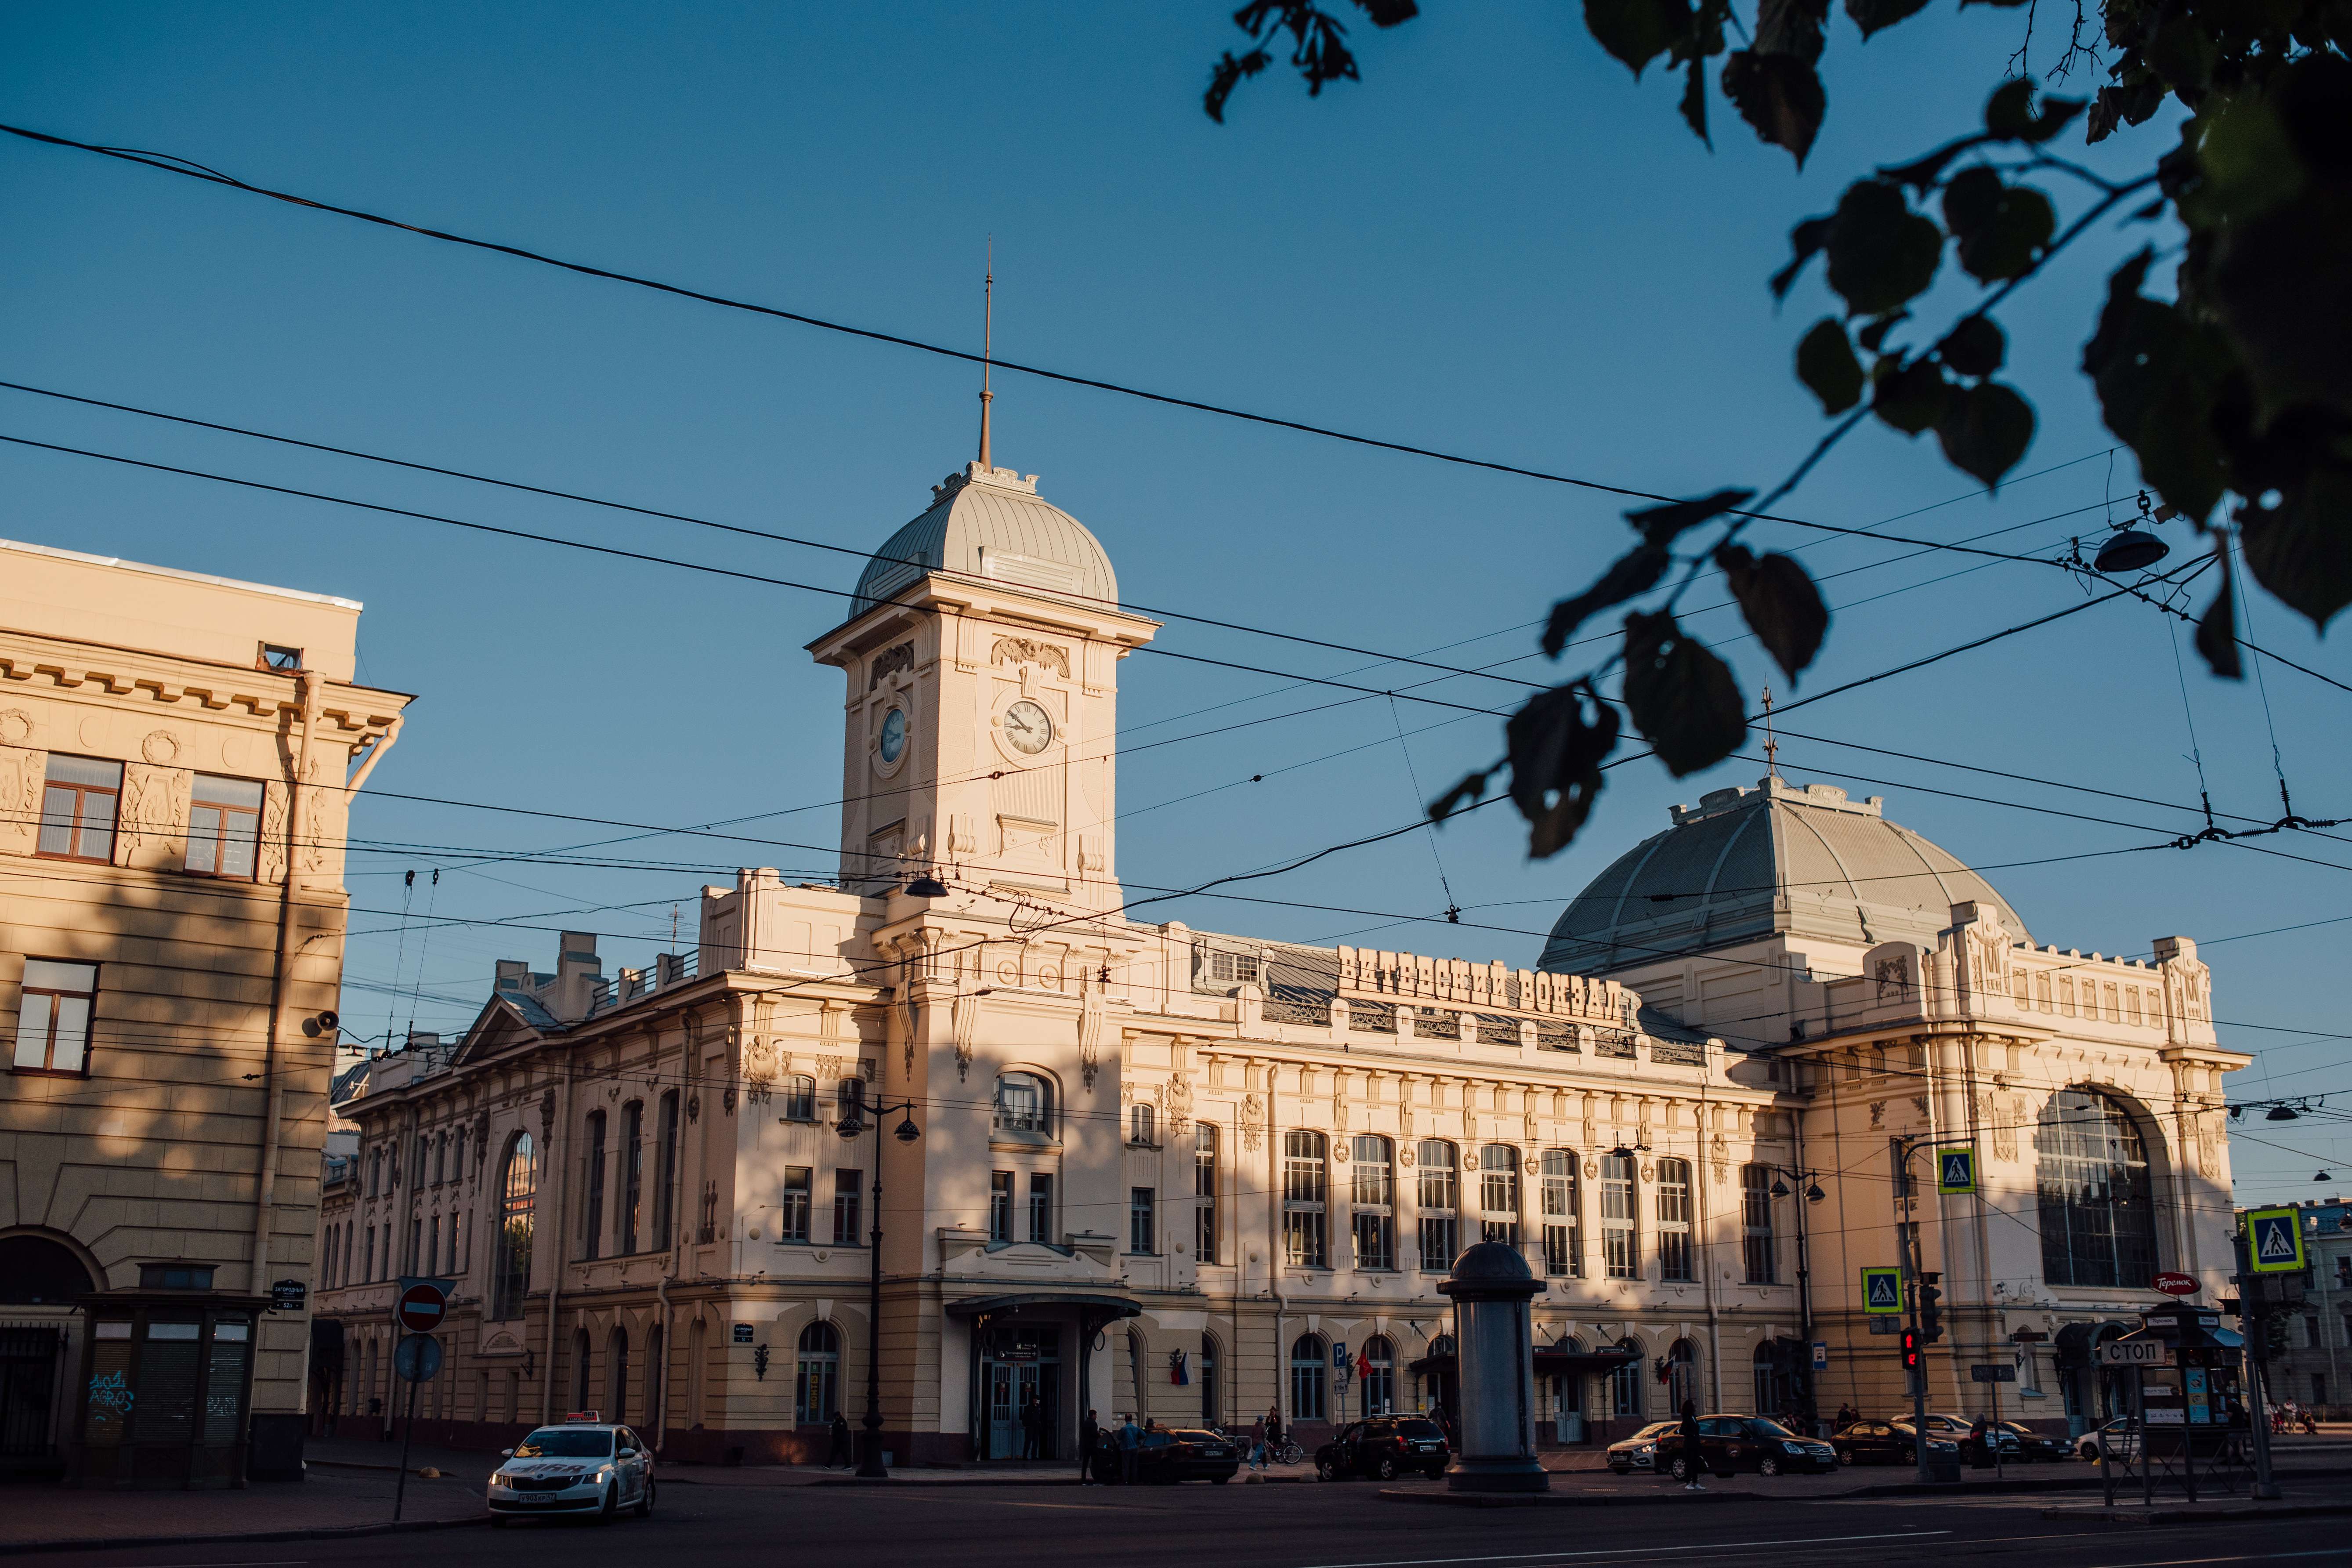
{"points": [[1021, 1389], [28, 1374]]}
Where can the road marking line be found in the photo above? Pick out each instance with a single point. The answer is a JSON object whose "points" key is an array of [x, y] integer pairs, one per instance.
{"points": [[2254, 1557], [1621, 1552]]}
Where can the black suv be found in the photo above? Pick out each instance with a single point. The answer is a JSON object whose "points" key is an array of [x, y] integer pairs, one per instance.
{"points": [[1387, 1446]]}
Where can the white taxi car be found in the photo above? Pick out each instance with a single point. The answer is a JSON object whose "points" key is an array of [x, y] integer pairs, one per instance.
{"points": [[584, 1466]]}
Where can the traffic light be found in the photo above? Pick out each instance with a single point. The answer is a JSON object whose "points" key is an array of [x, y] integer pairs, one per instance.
{"points": [[1931, 1321], [1911, 1350]]}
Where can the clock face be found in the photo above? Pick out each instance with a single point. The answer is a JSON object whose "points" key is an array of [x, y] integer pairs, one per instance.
{"points": [[1028, 728], [893, 741]]}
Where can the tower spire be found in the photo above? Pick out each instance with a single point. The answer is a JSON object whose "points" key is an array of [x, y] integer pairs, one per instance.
{"points": [[987, 348]]}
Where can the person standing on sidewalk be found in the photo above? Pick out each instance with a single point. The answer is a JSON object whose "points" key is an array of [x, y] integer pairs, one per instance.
{"points": [[1273, 1431], [1129, 1437], [841, 1455], [1089, 1437], [1692, 1458], [1257, 1444]]}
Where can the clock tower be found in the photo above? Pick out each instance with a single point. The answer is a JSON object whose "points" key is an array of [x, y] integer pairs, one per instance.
{"points": [[980, 726]]}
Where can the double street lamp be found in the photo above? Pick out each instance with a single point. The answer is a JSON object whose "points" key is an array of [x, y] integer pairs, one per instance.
{"points": [[854, 1109], [1811, 1181]]}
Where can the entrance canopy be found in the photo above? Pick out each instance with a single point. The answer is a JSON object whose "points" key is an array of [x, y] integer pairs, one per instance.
{"points": [[1110, 1309]]}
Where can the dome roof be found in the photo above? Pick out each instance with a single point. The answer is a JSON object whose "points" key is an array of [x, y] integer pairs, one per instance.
{"points": [[1799, 860], [989, 524]]}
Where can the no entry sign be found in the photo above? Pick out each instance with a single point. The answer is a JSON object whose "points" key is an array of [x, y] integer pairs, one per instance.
{"points": [[420, 1308]]}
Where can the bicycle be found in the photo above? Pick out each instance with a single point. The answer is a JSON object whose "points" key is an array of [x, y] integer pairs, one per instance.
{"points": [[1288, 1453]]}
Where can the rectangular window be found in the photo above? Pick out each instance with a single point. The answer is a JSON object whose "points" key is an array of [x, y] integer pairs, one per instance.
{"points": [[1756, 1249], [793, 1213], [1563, 1253], [595, 1203], [53, 1015], [1000, 1206], [1303, 1241], [1441, 1192], [457, 1225], [1204, 1189], [1041, 1207], [845, 1230], [1375, 1202], [432, 1246], [77, 807], [415, 1241], [1674, 1220], [1620, 1249], [224, 826], [665, 1166], [1140, 1202], [632, 1172], [1498, 1194], [368, 1257]]}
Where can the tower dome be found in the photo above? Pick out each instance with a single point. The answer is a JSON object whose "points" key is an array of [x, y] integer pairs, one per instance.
{"points": [[990, 524], [1779, 858]]}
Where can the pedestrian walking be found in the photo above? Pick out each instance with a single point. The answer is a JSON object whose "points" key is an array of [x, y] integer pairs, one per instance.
{"points": [[1273, 1431], [841, 1457], [1980, 1443], [1089, 1439], [1257, 1444], [1029, 1427], [1691, 1455], [1130, 1437]]}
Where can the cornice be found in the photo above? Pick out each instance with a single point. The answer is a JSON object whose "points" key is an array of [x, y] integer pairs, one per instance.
{"points": [[172, 680]]}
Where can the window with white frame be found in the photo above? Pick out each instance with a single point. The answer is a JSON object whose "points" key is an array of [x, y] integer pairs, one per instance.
{"points": [[1440, 1196], [1374, 1181], [1498, 1194], [1563, 1249], [1674, 1220], [1304, 1189], [1621, 1249]]}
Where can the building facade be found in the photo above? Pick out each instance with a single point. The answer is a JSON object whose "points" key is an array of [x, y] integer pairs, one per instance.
{"points": [[177, 757], [2313, 1368], [1194, 1175]]}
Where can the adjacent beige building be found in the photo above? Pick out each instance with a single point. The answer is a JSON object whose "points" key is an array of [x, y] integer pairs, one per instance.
{"points": [[1195, 1175], [177, 757]]}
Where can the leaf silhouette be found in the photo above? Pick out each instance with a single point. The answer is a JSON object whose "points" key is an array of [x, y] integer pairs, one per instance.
{"points": [[1779, 603], [1682, 698]]}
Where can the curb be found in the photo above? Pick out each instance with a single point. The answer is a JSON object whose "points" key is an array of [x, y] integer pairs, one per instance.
{"points": [[1572, 1499], [920, 1480], [318, 1532], [2146, 1519]]}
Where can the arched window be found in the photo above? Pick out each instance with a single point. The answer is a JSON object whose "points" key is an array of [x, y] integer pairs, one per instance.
{"points": [[1563, 1247], [616, 1375], [2091, 1175], [36, 1271], [518, 1195], [457, 1160], [799, 1092], [1621, 1247], [633, 1176], [1303, 1186], [816, 1381], [1625, 1382], [1498, 1194], [1211, 1405], [1308, 1377], [1141, 1125], [375, 1171], [1371, 1174], [1024, 1103], [1675, 1222], [1681, 1377], [1440, 1196], [1379, 1376]]}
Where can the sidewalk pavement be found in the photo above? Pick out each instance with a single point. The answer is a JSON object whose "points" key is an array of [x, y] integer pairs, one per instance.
{"points": [[34, 1515]]}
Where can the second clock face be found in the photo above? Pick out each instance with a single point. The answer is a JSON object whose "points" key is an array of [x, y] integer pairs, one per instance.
{"points": [[1028, 728], [892, 744]]}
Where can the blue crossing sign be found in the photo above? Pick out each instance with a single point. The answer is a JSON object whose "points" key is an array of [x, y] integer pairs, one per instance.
{"points": [[1956, 1169], [2274, 1241], [1881, 1289]]}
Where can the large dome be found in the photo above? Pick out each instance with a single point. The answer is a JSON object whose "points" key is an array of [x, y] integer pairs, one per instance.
{"points": [[989, 524], [1799, 860]]}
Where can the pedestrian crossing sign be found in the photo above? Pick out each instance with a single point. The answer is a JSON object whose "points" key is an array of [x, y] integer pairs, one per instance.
{"points": [[2274, 1241], [1881, 1289], [1956, 1169]]}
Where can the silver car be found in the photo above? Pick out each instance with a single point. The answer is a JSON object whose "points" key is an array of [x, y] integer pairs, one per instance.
{"points": [[583, 1467]]}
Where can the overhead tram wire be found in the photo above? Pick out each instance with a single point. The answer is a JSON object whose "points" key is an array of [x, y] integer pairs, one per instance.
{"points": [[171, 164], [1871, 533]]}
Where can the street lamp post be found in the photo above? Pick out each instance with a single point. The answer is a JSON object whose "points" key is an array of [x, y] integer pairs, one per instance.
{"points": [[1812, 1189], [852, 1125]]}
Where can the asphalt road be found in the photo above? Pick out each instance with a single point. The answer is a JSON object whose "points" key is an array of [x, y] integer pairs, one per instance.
{"points": [[1270, 1527]]}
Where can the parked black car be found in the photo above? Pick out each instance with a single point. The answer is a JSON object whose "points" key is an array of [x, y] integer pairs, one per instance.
{"points": [[1888, 1443], [1167, 1455], [1386, 1446], [2033, 1445], [1730, 1444]]}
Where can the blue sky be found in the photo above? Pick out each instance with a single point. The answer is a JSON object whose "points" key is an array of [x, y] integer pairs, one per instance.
{"points": [[1498, 243]]}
